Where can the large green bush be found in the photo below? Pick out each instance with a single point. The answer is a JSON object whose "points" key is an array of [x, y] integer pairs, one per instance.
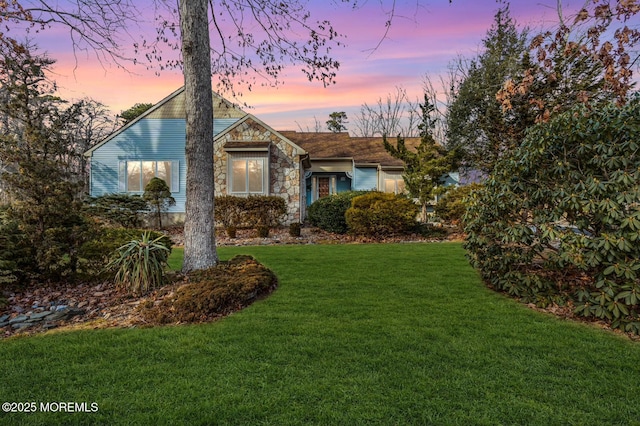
{"points": [[379, 214], [559, 219], [328, 213]]}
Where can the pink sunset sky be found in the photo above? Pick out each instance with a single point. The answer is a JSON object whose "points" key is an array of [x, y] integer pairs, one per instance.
{"points": [[422, 40]]}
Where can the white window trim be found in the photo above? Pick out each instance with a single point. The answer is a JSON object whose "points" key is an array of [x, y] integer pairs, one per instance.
{"points": [[265, 175], [123, 181]]}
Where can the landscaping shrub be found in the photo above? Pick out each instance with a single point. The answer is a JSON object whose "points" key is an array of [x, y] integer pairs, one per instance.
{"points": [[231, 231], [229, 210], [452, 206], [559, 218], [214, 292], [249, 212], [158, 195], [140, 264], [263, 231], [263, 210], [97, 253], [294, 229], [328, 213], [380, 214], [123, 210]]}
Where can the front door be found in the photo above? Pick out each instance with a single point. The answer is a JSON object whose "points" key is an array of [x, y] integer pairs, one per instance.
{"points": [[323, 186]]}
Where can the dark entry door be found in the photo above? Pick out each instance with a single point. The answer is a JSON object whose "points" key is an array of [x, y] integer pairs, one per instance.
{"points": [[323, 186]]}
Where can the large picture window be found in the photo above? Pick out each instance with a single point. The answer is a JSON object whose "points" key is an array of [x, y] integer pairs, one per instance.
{"points": [[135, 175], [248, 176]]}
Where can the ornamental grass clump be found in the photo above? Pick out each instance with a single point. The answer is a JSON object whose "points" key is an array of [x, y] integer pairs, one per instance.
{"points": [[140, 264]]}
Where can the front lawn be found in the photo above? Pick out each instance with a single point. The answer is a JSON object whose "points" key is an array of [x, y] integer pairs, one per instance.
{"points": [[381, 334]]}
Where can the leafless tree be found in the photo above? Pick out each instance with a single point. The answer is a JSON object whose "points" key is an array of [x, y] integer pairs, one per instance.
{"points": [[317, 126], [396, 115]]}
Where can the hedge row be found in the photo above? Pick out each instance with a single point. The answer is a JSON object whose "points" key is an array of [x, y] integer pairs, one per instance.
{"points": [[252, 211]]}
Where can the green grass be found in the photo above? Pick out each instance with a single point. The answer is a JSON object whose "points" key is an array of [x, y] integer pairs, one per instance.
{"points": [[355, 334]]}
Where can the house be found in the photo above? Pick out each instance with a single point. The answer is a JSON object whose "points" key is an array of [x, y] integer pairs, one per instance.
{"points": [[250, 158], [340, 162]]}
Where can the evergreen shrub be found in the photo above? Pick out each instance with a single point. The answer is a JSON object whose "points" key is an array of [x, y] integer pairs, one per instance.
{"points": [[381, 214], [328, 213], [123, 210]]}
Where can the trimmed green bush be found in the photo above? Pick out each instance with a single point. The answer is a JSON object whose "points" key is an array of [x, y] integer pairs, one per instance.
{"points": [[158, 195], [140, 264], [380, 214], [328, 213], [214, 292], [123, 210]]}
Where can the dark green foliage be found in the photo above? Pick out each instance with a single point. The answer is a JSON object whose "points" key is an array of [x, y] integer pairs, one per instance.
{"points": [[263, 231], [97, 253], [14, 251], [158, 195], [294, 229], [214, 292], [134, 112], [251, 211], [559, 219], [452, 206], [48, 215], [124, 210], [380, 214], [37, 150], [328, 213], [477, 124], [337, 121], [140, 264]]}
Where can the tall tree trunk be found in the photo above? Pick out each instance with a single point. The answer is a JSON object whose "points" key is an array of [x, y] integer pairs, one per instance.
{"points": [[199, 231]]}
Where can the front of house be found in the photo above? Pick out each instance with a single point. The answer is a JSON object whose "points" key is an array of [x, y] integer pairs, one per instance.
{"points": [[250, 158]]}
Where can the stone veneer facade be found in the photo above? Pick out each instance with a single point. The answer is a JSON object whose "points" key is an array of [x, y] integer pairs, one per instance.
{"points": [[285, 165]]}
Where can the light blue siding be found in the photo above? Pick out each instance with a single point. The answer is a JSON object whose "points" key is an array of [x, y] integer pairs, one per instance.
{"points": [[365, 179], [147, 139]]}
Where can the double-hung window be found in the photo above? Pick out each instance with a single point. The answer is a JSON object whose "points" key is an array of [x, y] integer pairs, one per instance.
{"points": [[134, 175], [393, 182], [247, 175]]}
